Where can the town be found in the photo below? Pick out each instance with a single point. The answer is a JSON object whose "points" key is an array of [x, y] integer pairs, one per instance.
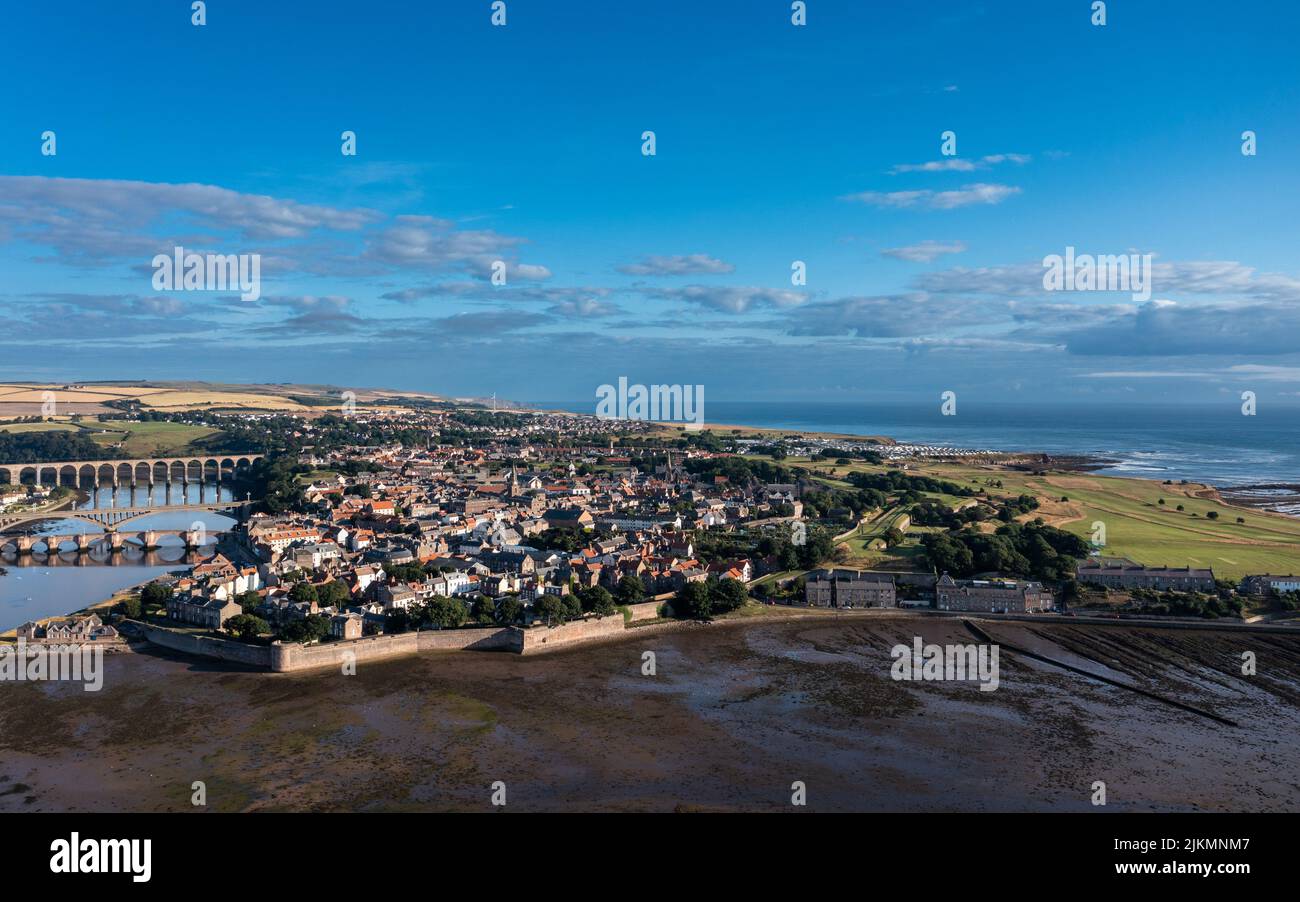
{"points": [[401, 520]]}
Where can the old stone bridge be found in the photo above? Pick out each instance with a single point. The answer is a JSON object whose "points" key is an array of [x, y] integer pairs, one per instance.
{"points": [[114, 541], [130, 472]]}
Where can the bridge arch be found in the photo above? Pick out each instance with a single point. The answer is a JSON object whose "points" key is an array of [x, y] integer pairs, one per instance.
{"points": [[76, 473]]}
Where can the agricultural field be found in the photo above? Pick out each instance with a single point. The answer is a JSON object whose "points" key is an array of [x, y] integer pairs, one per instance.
{"points": [[191, 400], [24, 399]]}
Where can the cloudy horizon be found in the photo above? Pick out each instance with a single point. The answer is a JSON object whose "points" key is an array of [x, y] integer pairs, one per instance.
{"points": [[924, 267]]}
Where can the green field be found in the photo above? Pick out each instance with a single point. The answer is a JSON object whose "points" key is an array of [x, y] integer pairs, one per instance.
{"points": [[147, 439], [1136, 525], [37, 427], [129, 439]]}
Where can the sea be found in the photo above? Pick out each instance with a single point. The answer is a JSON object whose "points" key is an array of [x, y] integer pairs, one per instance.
{"points": [[1214, 444]]}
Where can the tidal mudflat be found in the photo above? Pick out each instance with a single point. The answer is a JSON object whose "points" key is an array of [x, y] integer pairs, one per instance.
{"points": [[734, 715]]}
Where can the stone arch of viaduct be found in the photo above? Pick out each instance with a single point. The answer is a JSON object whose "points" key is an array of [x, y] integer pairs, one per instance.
{"points": [[132, 472]]}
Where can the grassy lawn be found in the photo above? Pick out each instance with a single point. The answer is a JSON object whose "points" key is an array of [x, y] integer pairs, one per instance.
{"points": [[1137, 526]]}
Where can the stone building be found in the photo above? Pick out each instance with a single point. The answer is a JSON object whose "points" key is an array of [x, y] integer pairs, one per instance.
{"points": [[1121, 573], [992, 596], [1265, 584], [205, 612], [850, 589]]}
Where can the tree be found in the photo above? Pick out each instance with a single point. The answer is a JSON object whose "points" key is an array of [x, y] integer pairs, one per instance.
{"points": [[597, 600], [130, 607], [303, 592], [155, 595], [572, 606], [727, 595], [442, 613], [892, 537], [485, 610], [333, 594], [550, 609], [631, 589], [249, 601], [510, 610], [1212, 515], [247, 627], [693, 601], [309, 629]]}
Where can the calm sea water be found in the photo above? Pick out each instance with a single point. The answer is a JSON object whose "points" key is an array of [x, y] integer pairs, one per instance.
{"points": [[1212, 444]]}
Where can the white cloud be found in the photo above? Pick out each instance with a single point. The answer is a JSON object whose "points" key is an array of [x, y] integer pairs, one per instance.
{"points": [[959, 164], [925, 251], [967, 195], [679, 265], [729, 298]]}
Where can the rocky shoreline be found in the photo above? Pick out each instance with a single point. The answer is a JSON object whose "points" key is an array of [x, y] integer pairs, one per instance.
{"points": [[1280, 497]]}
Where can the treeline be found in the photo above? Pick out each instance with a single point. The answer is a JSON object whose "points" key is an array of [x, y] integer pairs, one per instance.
{"points": [[740, 470], [819, 502], [55, 445], [1031, 550], [274, 480], [703, 600], [1184, 604], [896, 482], [936, 513]]}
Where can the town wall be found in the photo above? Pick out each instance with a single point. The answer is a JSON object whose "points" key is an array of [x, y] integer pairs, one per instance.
{"points": [[207, 646], [288, 657], [544, 639], [646, 610]]}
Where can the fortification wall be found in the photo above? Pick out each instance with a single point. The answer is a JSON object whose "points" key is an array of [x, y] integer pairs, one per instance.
{"points": [[646, 610], [540, 638], [288, 657], [208, 647]]}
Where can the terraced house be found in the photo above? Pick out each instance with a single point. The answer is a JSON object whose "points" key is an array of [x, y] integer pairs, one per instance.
{"points": [[1121, 573], [850, 589], [991, 596]]}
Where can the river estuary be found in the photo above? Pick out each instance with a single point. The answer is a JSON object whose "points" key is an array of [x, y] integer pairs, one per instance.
{"points": [[42, 585]]}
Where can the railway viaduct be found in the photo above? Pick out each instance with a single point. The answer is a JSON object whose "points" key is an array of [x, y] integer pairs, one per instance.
{"points": [[143, 471]]}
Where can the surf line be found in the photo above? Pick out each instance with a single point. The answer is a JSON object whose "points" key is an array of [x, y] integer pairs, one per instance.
{"points": [[984, 637]]}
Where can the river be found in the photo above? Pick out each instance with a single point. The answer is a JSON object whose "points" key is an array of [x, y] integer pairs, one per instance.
{"points": [[39, 585]]}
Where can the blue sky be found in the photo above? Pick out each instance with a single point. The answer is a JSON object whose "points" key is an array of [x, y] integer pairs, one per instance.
{"points": [[775, 143]]}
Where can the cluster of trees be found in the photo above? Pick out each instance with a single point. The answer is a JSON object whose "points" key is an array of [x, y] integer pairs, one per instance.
{"points": [[155, 595], [817, 547], [896, 482], [1020, 549], [274, 480], [936, 513], [703, 600], [60, 444], [817, 502], [560, 538], [845, 457], [331, 594], [739, 470], [1184, 604]]}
